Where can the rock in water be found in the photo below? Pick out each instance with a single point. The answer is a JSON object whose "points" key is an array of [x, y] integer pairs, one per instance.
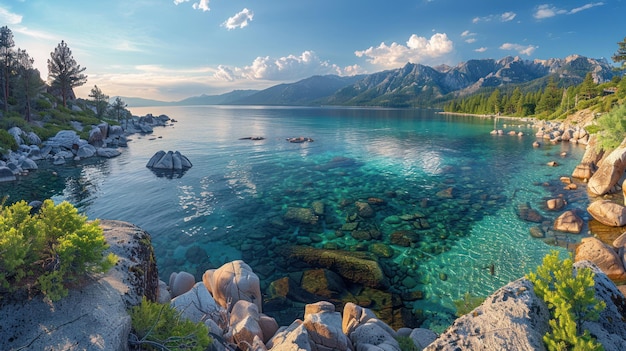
{"points": [[169, 161]]}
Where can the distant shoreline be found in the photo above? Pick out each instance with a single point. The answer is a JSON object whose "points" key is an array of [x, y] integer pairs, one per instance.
{"points": [[523, 119]]}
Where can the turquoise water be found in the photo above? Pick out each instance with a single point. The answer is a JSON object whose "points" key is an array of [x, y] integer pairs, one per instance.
{"points": [[231, 203]]}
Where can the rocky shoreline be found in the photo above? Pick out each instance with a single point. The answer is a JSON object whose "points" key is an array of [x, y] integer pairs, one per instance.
{"points": [[249, 329]]}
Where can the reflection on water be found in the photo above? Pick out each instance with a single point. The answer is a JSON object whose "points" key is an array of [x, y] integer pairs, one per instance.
{"points": [[442, 191]]}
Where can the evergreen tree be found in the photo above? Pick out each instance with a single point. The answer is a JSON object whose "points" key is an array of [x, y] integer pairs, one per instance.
{"points": [[620, 55], [63, 71], [30, 82], [493, 102], [119, 107], [6, 61], [550, 99], [100, 101], [588, 88]]}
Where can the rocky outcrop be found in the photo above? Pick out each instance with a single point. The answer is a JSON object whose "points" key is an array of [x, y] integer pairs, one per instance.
{"points": [[603, 256], [514, 318], [610, 171], [589, 163], [169, 161], [232, 282], [569, 222], [94, 314]]}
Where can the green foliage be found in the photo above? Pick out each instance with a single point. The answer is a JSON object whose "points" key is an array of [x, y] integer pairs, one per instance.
{"points": [[7, 141], [407, 344], [52, 247], [612, 128], [467, 304], [160, 326], [571, 299]]}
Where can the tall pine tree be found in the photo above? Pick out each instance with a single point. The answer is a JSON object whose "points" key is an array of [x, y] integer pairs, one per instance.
{"points": [[64, 73]]}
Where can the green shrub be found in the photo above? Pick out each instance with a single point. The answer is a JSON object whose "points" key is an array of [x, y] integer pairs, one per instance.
{"points": [[612, 127], [42, 104], [51, 248], [7, 141], [161, 327], [571, 300], [407, 344]]}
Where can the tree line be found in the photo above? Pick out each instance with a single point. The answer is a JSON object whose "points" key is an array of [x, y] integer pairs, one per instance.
{"points": [[22, 86], [556, 99]]}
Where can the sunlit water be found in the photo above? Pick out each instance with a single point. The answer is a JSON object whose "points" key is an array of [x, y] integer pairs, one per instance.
{"points": [[231, 203]]}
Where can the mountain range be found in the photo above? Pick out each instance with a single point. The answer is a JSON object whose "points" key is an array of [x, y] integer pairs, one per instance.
{"points": [[413, 85]]}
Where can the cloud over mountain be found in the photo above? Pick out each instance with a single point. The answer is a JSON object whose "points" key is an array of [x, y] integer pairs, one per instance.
{"points": [[417, 50]]}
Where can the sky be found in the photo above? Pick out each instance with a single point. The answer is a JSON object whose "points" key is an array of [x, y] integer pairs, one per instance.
{"points": [[173, 49]]}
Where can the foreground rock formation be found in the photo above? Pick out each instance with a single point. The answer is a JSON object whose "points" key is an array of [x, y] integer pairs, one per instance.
{"points": [[94, 315]]}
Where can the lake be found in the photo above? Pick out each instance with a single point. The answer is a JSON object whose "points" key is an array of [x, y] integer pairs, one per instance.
{"points": [[441, 192]]}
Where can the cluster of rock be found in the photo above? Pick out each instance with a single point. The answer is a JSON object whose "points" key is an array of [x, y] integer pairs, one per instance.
{"points": [[556, 132], [228, 300], [171, 160], [103, 141]]}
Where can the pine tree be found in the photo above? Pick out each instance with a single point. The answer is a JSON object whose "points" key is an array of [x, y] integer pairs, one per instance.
{"points": [[29, 81], [620, 55], [119, 106], [6, 61], [100, 101], [63, 71]]}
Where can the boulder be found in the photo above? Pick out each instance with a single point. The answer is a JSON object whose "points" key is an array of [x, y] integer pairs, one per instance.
{"points": [[107, 152], [355, 267], [181, 282], [27, 164], [300, 215], [232, 282], [555, 204], [364, 209], [324, 328], [244, 324], [96, 137], [355, 315], [588, 164], [603, 256], [569, 222], [610, 171], [86, 151], [422, 337], [371, 336], [65, 139], [512, 318], [197, 304], [94, 315], [527, 213], [17, 133], [293, 338], [608, 213], [32, 138], [168, 160]]}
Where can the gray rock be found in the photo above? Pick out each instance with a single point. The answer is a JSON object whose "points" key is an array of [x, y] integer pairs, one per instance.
{"points": [[324, 329], [32, 138], [86, 151], [65, 139], [422, 337], [17, 134], [6, 174], [181, 282], [155, 158], [196, 304], [107, 152], [28, 164], [371, 336], [96, 137], [513, 318], [293, 338]]}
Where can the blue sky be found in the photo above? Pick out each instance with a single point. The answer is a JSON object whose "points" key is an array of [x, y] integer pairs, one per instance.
{"points": [[172, 49]]}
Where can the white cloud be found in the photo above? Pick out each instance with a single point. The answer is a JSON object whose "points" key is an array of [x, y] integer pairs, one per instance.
{"points": [[467, 33], [8, 17], [239, 20], [470, 40], [521, 49], [547, 11], [507, 16], [417, 50], [202, 5], [481, 49], [504, 17]]}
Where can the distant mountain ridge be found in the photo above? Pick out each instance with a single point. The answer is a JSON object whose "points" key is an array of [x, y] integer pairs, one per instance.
{"points": [[413, 85]]}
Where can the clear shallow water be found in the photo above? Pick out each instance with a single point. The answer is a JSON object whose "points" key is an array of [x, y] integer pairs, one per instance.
{"points": [[231, 203]]}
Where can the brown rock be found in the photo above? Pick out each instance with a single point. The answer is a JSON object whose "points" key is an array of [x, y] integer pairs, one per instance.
{"points": [[403, 238], [324, 283], [525, 212], [583, 171], [447, 193], [301, 215], [608, 213], [603, 256], [609, 173], [536, 232], [569, 222], [555, 204], [620, 241], [552, 164], [354, 267], [364, 209], [381, 250], [566, 180]]}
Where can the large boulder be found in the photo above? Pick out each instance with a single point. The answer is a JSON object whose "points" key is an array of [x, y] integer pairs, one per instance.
{"points": [[232, 282], [169, 160], [569, 222], [85, 151], [513, 318], [605, 257], [244, 324], [6, 174], [96, 137], [324, 327], [293, 338], [197, 304], [608, 213], [609, 173], [94, 315], [107, 152], [588, 164]]}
